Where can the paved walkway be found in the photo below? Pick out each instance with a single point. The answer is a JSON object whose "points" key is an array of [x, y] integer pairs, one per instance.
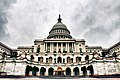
{"points": [[60, 79]]}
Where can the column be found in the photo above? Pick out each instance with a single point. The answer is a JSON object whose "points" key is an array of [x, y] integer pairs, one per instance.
{"points": [[57, 48], [61, 47], [52, 47], [72, 46], [68, 47], [46, 46]]}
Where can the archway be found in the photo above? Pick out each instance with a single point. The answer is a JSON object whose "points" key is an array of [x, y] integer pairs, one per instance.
{"points": [[27, 70], [50, 71], [90, 68], [76, 71], [59, 60], [42, 71], [68, 71], [84, 70], [34, 70]]}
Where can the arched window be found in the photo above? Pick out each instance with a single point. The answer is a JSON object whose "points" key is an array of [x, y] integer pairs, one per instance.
{"points": [[87, 58], [31, 57], [78, 59], [38, 49], [40, 59], [50, 59], [68, 59], [59, 60]]}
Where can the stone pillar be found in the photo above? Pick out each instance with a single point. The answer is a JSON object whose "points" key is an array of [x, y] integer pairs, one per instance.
{"points": [[52, 47], [46, 46], [72, 46], [68, 47], [57, 48], [72, 72], [61, 47]]}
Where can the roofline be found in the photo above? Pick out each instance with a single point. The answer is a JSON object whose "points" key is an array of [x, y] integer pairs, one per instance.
{"points": [[114, 45], [2, 44]]}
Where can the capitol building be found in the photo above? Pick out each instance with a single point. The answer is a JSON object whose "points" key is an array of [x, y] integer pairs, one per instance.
{"points": [[60, 55]]}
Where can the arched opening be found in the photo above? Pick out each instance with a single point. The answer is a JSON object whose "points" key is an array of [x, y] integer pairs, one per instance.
{"points": [[42, 71], [90, 68], [50, 59], [59, 71], [84, 70], [32, 58], [76, 71], [87, 58], [34, 70], [78, 59], [59, 60], [40, 59], [68, 71], [27, 70], [68, 59], [38, 49], [50, 71]]}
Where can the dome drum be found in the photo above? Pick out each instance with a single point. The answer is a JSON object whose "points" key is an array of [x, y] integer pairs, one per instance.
{"points": [[59, 30]]}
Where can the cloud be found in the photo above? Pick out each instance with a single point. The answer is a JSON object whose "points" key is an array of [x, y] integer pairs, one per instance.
{"points": [[97, 21], [4, 5]]}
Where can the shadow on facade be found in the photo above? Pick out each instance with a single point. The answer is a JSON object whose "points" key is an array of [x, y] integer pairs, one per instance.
{"points": [[42, 70]]}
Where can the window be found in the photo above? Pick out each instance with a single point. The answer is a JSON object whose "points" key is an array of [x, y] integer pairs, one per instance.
{"points": [[40, 59], [50, 59], [63, 60], [46, 60], [71, 60], [80, 50], [68, 59], [78, 59], [38, 49], [54, 60]]}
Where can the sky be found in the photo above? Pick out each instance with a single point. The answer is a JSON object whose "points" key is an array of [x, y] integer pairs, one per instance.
{"points": [[96, 21]]}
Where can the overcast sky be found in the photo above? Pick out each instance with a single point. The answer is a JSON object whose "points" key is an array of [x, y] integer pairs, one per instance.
{"points": [[96, 21]]}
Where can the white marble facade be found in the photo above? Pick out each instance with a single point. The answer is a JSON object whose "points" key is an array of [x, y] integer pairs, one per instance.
{"points": [[60, 49]]}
